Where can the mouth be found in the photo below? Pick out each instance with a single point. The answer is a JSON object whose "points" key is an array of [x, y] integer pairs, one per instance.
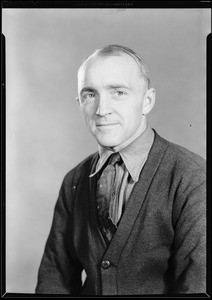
{"points": [[106, 125]]}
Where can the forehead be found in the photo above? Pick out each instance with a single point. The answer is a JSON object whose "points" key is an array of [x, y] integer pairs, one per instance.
{"points": [[122, 67]]}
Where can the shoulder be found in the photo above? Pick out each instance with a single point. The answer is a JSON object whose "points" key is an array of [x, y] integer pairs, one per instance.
{"points": [[78, 176], [180, 166], [180, 156], [81, 169]]}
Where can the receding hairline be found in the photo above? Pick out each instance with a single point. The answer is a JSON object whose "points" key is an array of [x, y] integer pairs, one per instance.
{"points": [[117, 50]]}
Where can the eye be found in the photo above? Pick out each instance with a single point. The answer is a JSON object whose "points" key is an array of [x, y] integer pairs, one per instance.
{"points": [[88, 96], [120, 93]]}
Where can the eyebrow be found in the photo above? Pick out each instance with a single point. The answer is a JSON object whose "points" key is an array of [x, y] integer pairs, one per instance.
{"points": [[110, 86], [118, 86], [87, 89]]}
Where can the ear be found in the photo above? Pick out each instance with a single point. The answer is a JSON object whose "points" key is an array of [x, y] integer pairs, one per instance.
{"points": [[149, 101], [77, 98], [79, 105]]}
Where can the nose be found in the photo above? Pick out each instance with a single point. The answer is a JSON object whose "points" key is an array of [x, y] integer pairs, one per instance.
{"points": [[104, 106]]}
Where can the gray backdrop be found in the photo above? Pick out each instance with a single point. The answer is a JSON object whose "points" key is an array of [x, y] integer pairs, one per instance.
{"points": [[46, 135]]}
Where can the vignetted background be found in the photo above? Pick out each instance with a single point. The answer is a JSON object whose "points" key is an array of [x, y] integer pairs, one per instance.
{"points": [[46, 135]]}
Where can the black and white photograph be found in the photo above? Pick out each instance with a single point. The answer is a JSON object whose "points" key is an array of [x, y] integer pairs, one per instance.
{"points": [[106, 150]]}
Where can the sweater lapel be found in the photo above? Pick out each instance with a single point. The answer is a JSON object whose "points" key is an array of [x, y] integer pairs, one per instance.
{"points": [[135, 201]]}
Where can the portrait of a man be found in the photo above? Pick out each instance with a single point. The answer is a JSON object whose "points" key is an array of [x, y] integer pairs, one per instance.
{"points": [[133, 215], [106, 151]]}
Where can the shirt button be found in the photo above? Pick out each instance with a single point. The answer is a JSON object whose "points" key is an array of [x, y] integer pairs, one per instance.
{"points": [[105, 264]]}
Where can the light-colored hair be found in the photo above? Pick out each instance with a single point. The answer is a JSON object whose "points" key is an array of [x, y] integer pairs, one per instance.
{"points": [[117, 50]]}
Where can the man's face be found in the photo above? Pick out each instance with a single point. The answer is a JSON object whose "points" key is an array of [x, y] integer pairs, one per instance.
{"points": [[111, 92]]}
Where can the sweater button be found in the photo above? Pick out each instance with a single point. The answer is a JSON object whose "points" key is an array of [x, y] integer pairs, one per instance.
{"points": [[105, 264]]}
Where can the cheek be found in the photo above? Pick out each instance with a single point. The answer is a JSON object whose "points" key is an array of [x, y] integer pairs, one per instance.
{"points": [[88, 113], [131, 115]]}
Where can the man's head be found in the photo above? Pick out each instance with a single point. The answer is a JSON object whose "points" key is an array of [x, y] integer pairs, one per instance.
{"points": [[114, 94]]}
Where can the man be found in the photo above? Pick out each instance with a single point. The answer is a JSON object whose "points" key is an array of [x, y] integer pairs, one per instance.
{"points": [[132, 216]]}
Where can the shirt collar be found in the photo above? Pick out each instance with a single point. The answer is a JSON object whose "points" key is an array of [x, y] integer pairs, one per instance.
{"points": [[134, 155]]}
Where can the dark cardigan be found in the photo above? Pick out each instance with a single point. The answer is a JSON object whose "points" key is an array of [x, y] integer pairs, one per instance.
{"points": [[159, 245]]}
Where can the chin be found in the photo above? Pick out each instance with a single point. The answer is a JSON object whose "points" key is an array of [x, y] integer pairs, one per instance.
{"points": [[109, 145], [107, 137], [107, 142]]}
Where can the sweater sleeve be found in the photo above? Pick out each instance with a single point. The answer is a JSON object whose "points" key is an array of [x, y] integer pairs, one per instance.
{"points": [[59, 271], [190, 238]]}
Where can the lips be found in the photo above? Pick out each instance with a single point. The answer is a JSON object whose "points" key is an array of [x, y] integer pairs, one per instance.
{"points": [[106, 124]]}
